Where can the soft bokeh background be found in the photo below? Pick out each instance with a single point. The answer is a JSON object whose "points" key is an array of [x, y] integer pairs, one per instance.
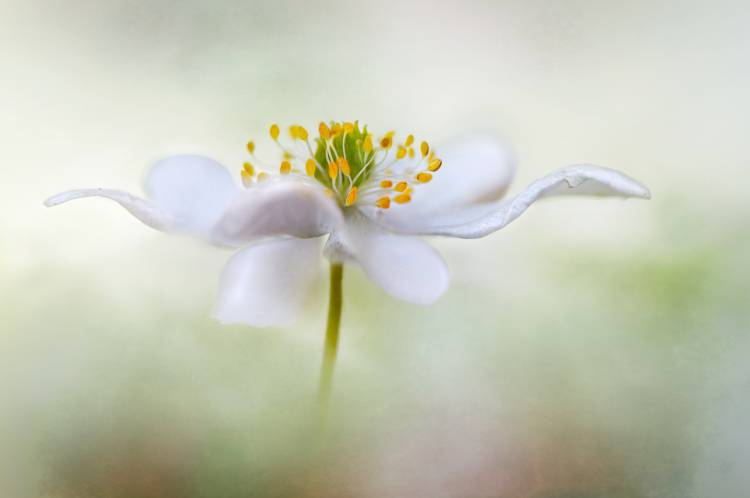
{"points": [[591, 349]]}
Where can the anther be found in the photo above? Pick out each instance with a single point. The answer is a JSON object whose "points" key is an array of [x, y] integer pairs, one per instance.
{"points": [[424, 177], [383, 202], [401, 186], [333, 170], [285, 167], [424, 148], [402, 198], [310, 167], [274, 131], [325, 132], [367, 145], [251, 147], [351, 197], [386, 184], [435, 164], [248, 168], [401, 153], [344, 166], [247, 178], [409, 140]]}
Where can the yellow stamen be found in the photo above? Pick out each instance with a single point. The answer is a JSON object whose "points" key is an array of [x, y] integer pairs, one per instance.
{"points": [[344, 166], [349, 127], [351, 197], [411, 152], [251, 147], [285, 167], [424, 148], [409, 141], [333, 170], [367, 145], [401, 152], [401, 186], [324, 130], [424, 177], [402, 198], [383, 202], [386, 142], [435, 164], [248, 168], [386, 184], [274, 131], [310, 167]]}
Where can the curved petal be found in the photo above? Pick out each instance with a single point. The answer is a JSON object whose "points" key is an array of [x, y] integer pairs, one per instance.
{"points": [[582, 179], [475, 169], [266, 284], [405, 267], [144, 210], [278, 207], [186, 194]]}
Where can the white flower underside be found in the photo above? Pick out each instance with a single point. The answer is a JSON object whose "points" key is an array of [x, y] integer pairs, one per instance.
{"points": [[278, 223]]}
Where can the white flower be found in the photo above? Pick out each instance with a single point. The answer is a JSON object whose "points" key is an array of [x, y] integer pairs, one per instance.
{"points": [[370, 198]]}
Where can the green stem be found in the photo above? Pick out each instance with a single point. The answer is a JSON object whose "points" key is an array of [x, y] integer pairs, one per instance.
{"points": [[332, 335]]}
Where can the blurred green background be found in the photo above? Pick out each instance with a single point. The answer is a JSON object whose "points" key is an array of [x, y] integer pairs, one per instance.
{"points": [[594, 348]]}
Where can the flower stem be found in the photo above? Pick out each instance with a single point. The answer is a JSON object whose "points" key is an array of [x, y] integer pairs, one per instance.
{"points": [[332, 335]]}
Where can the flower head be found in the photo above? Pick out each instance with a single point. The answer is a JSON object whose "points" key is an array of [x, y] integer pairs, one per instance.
{"points": [[369, 195]]}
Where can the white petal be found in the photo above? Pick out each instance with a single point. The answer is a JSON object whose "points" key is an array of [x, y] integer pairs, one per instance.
{"points": [[266, 284], [144, 210], [280, 207], [475, 169], [194, 190], [186, 194], [582, 179], [404, 266]]}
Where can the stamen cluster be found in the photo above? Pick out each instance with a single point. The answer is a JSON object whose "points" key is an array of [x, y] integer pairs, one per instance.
{"points": [[350, 163]]}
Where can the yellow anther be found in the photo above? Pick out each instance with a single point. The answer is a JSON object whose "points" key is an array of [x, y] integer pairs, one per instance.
{"points": [[247, 178], [401, 153], [310, 167], [367, 145], [248, 168], [386, 184], [383, 202], [409, 141], [344, 166], [336, 129], [424, 177], [293, 131], [324, 130], [262, 176], [435, 164], [274, 131], [349, 127], [402, 198], [287, 155], [251, 147], [411, 152], [302, 132], [351, 197], [401, 186], [285, 167], [424, 148], [386, 142], [333, 170]]}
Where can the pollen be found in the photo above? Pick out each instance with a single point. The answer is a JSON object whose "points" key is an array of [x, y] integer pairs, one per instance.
{"points": [[383, 202], [333, 170], [274, 132], [351, 197], [386, 184], [401, 186], [435, 164], [402, 198], [424, 177], [310, 167], [285, 168]]}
